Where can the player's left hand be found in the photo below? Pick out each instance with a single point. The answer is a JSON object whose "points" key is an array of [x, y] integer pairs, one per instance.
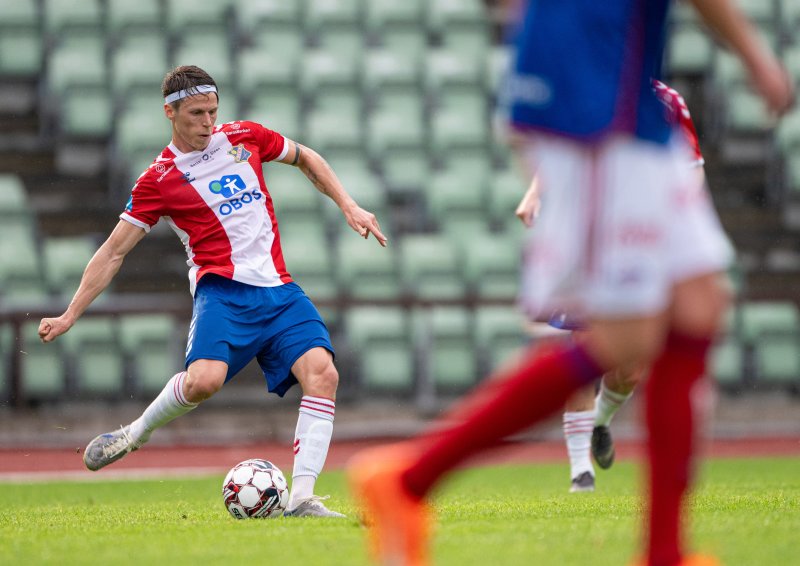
{"points": [[52, 328], [365, 223]]}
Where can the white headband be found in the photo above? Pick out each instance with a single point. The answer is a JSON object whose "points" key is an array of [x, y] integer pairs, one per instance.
{"points": [[199, 89]]}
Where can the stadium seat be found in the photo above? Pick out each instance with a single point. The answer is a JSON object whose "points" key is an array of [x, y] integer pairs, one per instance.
{"points": [[448, 353], [474, 39], [777, 360], [492, 264], [310, 263], [253, 16], [208, 49], [21, 44], [366, 270], [367, 190], [87, 112], [430, 267], [328, 14], [65, 260], [497, 64], [380, 339], [279, 111], [412, 42], [19, 256], [499, 335], [153, 345], [77, 62], [453, 194], [385, 69], [332, 127], [142, 128], [42, 365], [325, 71], [184, 15], [260, 71], [390, 128], [13, 196], [293, 196], [129, 75], [690, 51], [60, 15], [97, 361], [450, 68], [124, 16], [344, 42], [447, 14], [747, 111], [383, 14], [727, 361], [506, 188], [769, 318]]}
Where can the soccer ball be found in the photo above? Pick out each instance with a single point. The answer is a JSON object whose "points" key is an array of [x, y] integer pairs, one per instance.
{"points": [[255, 489]]}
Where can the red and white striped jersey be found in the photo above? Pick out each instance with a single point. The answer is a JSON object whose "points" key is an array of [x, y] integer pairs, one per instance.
{"points": [[678, 114], [217, 202]]}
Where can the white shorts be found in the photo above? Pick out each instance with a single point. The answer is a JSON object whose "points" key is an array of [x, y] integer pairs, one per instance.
{"points": [[620, 223]]}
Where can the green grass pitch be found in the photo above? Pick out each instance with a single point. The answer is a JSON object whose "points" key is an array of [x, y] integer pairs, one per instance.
{"points": [[745, 512]]}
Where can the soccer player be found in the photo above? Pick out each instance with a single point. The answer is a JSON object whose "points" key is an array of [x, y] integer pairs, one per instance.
{"points": [[209, 186], [587, 418], [625, 241]]}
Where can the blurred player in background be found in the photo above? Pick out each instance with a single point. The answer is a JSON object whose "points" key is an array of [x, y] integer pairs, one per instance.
{"points": [[625, 241], [587, 417], [209, 186]]}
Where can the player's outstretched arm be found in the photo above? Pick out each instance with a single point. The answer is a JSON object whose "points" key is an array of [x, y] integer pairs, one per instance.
{"points": [[322, 176], [99, 272], [768, 75], [528, 208]]}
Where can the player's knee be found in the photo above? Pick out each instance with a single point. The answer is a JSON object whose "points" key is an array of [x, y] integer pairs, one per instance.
{"points": [[700, 305], [202, 385], [323, 382]]}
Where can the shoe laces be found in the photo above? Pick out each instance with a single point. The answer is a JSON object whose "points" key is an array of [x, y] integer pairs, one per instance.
{"points": [[122, 442]]}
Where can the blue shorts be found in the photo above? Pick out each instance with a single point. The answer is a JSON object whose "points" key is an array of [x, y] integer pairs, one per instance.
{"points": [[234, 322]]}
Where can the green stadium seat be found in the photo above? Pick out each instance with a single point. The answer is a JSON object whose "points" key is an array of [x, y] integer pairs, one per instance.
{"points": [[323, 71], [97, 360], [727, 362], [385, 14], [430, 267], [280, 40], [474, 39], [366, 270], [13, 196], [450, 68], [456, 198], [293, 195], [152, 343], [142, 129], [86, 113], [690, 51], [310, 263], [256, 77], [77, 62], [63, 14], [405, 170], [449, 352], [277, 111], [788, 132], [385, 69], [412, 42], [499, 335], [777, 360], [19, 13], [127, 72], [345, 42], [65, 260], [390, 128], [19, 256], [42, 366], [124, 16], [253, 16], [447, 14], [492, 264], [21, 51], [380, 338], [208, 49], [367, 190], [26, 291], [185, 15], [769, 318], [332, 127], [497, 64], [327, 14], [747, 111]]}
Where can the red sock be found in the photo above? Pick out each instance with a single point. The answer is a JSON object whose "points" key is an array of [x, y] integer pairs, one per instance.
{"points": [[537, 387], [670, 424]]}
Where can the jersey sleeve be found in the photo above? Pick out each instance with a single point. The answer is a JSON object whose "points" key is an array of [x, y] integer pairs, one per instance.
{"points": [[144, 207], [271, 145]]}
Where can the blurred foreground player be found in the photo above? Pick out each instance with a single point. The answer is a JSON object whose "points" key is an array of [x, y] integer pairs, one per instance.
{"points": [[641, 262], [209, 185], [587, 417]]}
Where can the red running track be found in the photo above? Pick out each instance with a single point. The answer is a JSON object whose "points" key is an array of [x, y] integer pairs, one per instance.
{"points": [[33, 464]]}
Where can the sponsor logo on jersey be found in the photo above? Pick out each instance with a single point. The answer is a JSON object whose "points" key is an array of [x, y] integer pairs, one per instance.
{"points": [[129, 204], [227, 186], [164, 172], [239, 153], [188, 179]]}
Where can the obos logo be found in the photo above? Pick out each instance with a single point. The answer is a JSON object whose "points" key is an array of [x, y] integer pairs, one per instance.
{"points": [[228, 186]]}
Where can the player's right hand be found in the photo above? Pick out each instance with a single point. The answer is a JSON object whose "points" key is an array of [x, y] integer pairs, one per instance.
{"points": [[52, 328], [774, 84]]}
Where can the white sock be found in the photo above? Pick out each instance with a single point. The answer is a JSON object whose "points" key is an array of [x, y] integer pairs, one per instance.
{"points": [[578, 434], [169, 404], [607, 404], [312, 438]]}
